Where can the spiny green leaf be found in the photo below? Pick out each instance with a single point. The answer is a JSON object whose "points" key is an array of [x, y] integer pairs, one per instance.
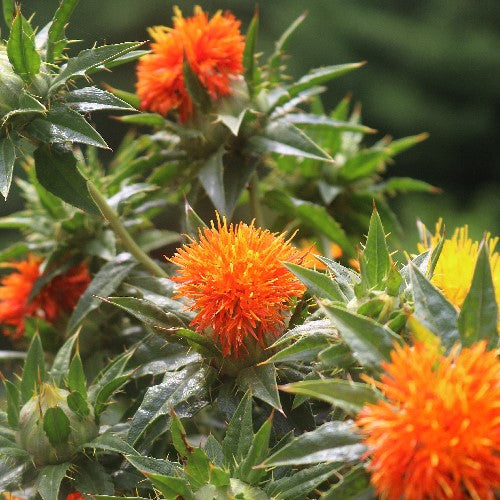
{"points": [[249, 52], [7, 160], [13, 403], [261, 380], [62, 124], [239, 434], [62, 360], [318, 284], [49, 480], [478, 317], [76, 376], [56, 40], [350, 396], [432, 309], [370, 342], [57, 171], [171, 487], [90, 99], [78, 404], [56, 426], [91, 477], [34, 369], [21, 48], [375, 260], [89, 59], [258, 451], [105, 282], [8, 9], [331, 442]]}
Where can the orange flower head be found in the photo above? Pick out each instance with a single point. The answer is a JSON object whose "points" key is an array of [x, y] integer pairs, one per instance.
{"points": [[310, 260], [237, 283], [437, 434], [214, 49], [59, 295]]}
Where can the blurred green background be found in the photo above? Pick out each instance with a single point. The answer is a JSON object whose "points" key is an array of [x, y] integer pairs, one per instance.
{"points": [[433, 65]]}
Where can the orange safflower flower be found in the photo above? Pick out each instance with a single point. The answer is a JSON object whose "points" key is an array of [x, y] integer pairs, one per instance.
{"points": [[310, 260], [437, 436], [59, 295], [71, 496], [214, 49], [237, 283]]}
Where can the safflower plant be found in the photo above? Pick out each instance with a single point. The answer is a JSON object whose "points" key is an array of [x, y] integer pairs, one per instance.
{"points": [[196, 317]]}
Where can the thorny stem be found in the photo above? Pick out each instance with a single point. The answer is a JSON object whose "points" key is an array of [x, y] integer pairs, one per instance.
{"points": [[116, 225]]}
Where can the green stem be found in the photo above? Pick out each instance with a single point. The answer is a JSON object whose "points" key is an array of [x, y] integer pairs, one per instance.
{"points": [[255, 206], [116, 225]]}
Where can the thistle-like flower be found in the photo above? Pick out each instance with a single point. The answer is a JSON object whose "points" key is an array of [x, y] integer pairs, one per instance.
{"points": [[214, 49], [437, 434], [455, 267], [237, 283], [58, 296]]}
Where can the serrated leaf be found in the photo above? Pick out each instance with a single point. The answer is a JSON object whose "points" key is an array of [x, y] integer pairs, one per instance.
{"points": [[331, 442], [214, 451], [258, 451], [166, 323], [62, 360], [21, 48], [49, 480], [325, 121], [406, 185], [299, 484], [249, 53], [282, 42], [62, 124], [90, 477], [350, 396], [478, 317], [354, 485], [104, 283], [171, 487], [317, 283], [78, 404], [111, 372], [110, 442], [432, 309], [400, 145], [56, 426], [239, 434], [90, 59], [211, 176], [88, 99], [261, 380], [285, 139], [76, 376], [57, 171], [193, 221], [56, 40], [370, 342], [305, 349], [8, 9], [375, 260], [7, 160], [34, 369], [13, 403], [101, 400], [184, 391], [149, 465]]}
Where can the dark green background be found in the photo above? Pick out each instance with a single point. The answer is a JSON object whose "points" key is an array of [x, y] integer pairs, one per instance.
{"points": [[433, 65]]}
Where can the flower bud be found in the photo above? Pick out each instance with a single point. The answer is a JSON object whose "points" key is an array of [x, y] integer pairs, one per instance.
{"points": [[33, 437]]}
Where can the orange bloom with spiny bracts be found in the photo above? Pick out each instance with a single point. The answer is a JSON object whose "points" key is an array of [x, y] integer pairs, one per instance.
{"points": [[59, 295], [214, 49], [437, 434], [237, 283]]}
